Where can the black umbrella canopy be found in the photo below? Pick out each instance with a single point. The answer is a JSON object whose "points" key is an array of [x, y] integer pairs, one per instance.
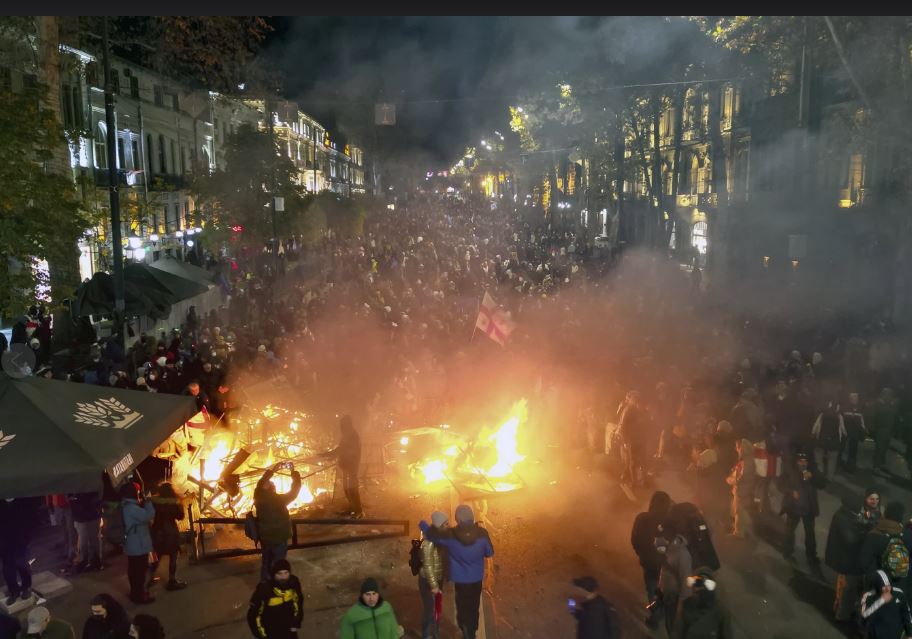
{"points": [[96, 297], [58, 437], [183, 270], [177, 286]]}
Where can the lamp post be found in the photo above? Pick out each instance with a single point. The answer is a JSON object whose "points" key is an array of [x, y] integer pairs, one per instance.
{"points": [[278, 206]]}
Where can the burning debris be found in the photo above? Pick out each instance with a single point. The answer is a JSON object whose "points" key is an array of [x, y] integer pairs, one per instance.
{"points": [[223, 465], [486, 463]]}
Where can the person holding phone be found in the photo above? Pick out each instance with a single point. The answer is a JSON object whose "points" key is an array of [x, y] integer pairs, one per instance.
{"points": [[273, 520], [595, 617]]}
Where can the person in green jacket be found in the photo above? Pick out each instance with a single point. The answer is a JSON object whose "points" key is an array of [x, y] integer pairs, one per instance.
{"points": [[371, 617]]}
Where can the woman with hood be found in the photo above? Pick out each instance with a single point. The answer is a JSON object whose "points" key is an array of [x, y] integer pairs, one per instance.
{"points": [[371, 617], [741, 481], [108, 620]]}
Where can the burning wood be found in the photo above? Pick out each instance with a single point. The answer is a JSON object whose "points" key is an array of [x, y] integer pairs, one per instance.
{"points": [[223, 466], [485, 463]]}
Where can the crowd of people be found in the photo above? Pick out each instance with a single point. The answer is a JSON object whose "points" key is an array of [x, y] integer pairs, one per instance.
{"points": [[380, 325]]}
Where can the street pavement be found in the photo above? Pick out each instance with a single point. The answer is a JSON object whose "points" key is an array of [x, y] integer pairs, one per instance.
{"points": [[570, 521]]}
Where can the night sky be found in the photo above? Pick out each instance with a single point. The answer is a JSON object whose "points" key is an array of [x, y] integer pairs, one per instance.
{"points": [[452, 77]]}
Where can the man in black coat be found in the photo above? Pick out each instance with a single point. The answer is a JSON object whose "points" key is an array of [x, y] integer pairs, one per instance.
{"points": [[348, 454], [277, 605], [17, 520], [646, 528], [595, 617], [799, 486], [843, 549]]}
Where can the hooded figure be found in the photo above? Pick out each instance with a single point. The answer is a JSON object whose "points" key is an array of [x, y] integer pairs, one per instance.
{"points": [[646, 527], [277, 605], [702, 616], [468, 545], [843, 551], [371, 617], [108, 619], [885, 609]]}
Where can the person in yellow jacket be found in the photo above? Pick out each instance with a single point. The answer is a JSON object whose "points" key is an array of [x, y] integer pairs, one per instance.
{"points": [[371, 617]]}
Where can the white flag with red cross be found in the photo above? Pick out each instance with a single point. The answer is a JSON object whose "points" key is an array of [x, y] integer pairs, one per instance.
{"points": [[494, 321]]}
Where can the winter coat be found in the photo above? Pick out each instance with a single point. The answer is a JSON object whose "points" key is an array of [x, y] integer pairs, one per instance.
{"points": [[138, 539], [86, 507], [107, 628], [885, 620], [597, 619], [349, 450], [362, 622], [56, 629], [854, 423], [274, 610], [677, 567], [646, 529], [9, 625], [17, 523], [792, 481], [702, 617], [844, 540], [829, 429], [165, 533], [468, 545], [875, 543], [432, 564], [273, 521]]}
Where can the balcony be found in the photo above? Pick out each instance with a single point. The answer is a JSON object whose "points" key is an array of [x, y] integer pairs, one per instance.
{"points": [[124, 178]]}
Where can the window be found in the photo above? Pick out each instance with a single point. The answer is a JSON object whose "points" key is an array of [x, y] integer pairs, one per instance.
{"points": [[173, 158], [66, 96], [699, 238], [149, 153], [175, 102], [134, 148], [159, 95], [121, 153], [115, 82], [162, 165], [6, 79], [207, 163], [134, 86], [101, 155], [29, 81]]}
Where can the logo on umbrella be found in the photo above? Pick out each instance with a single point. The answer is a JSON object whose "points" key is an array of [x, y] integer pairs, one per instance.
{"points": [[5, 439], [107, 413]]}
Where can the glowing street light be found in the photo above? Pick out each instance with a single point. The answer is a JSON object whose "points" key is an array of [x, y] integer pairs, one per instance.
{"points": [[135, 242], [153, 237], [139, 254], [178, 234], [190, 243]]}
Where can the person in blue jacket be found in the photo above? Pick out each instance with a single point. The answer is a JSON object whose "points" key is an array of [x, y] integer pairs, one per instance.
{"points": [[138, 513], [469, 545]]}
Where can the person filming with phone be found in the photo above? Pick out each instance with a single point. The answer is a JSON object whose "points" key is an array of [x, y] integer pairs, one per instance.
{"points": [[595, 617], [273, 521]]}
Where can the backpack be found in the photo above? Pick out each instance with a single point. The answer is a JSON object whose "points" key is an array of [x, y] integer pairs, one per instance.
{"points": [[114, 531], [895, 559], [699, 541], [415, 559], [251, 529]]}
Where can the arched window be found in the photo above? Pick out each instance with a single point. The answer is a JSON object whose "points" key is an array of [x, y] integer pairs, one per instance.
{"points": [[101, 150], [699, 238]]}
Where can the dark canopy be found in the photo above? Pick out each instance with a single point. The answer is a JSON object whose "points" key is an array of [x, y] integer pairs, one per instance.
{"points": [[58, 437]]}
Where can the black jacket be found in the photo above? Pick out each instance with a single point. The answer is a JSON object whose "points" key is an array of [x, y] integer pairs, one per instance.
{"points": [[646, 529], [9, 626], [886, 620], [17, 523], [85, 506], [107, 628], [165, 533], [792, 480], [275, 610], [844, 541], [703, 618], [597, 619]]}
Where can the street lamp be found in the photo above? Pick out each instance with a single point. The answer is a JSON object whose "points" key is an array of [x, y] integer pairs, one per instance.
{"points": [[135, 242], [139, 254], [154, 237]]}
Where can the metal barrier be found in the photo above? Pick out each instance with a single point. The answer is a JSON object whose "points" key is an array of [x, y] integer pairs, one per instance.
{"points": [[199, 543]]}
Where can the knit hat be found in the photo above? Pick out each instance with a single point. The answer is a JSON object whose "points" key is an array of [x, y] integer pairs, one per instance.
{"points": [[370, 585], [438, 518], [280, 564], [464, 514]]}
